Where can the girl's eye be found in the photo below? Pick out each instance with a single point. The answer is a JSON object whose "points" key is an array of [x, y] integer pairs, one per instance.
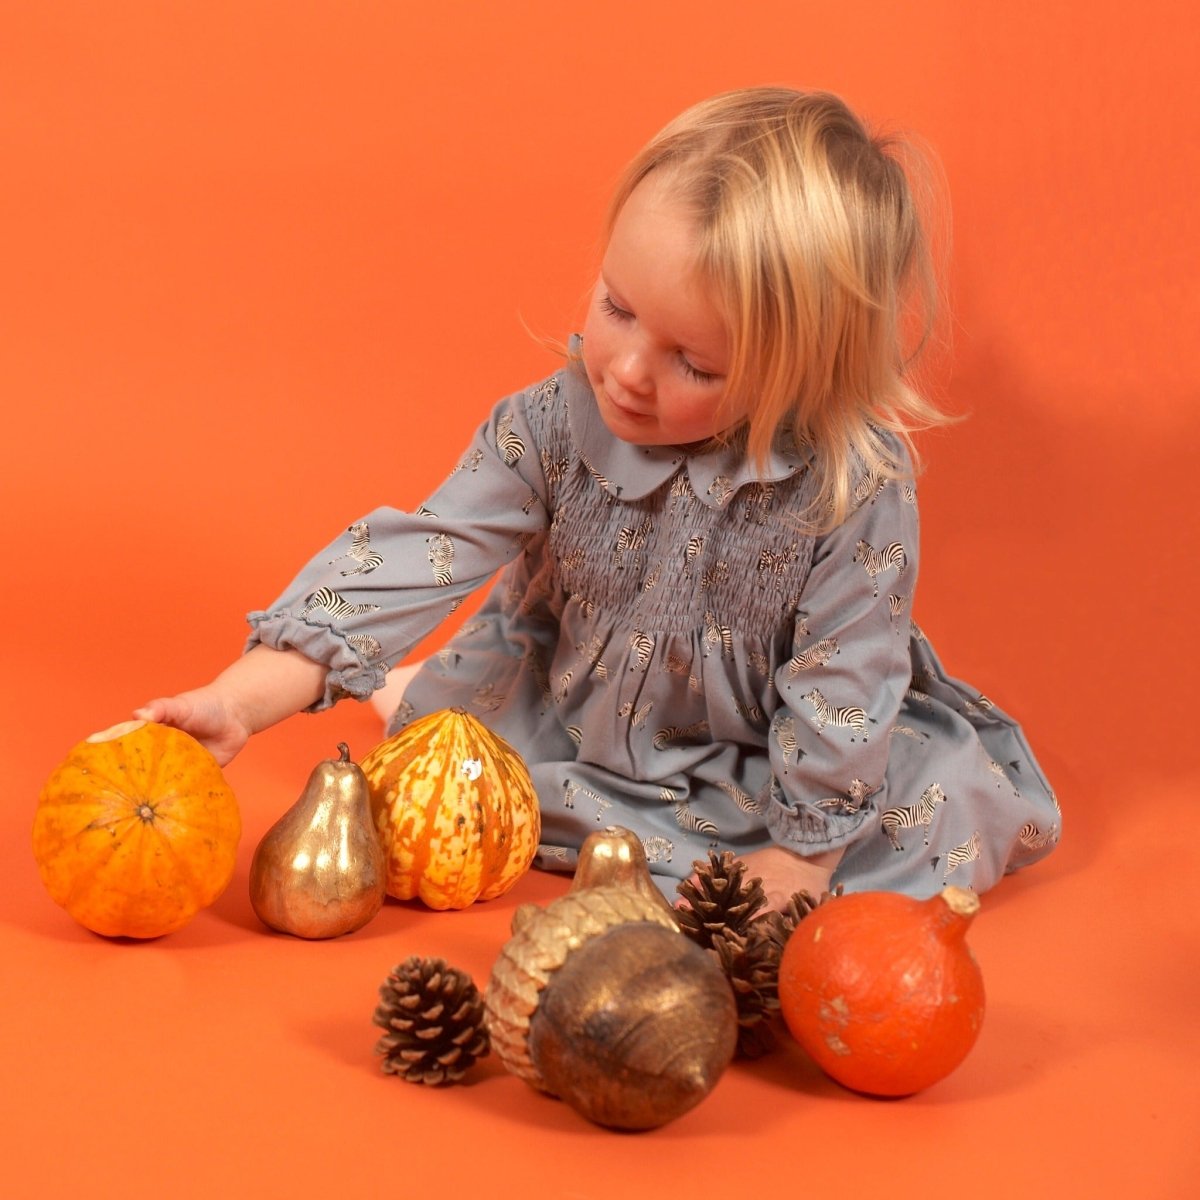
{"points": [[607, 306], [696, 374]]}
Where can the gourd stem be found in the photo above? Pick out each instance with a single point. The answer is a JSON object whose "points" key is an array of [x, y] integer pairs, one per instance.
{"points": [[953, 909], [344, 752]]}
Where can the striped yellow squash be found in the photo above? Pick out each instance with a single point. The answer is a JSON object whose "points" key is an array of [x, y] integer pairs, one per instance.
{"points": [[455, 809]]}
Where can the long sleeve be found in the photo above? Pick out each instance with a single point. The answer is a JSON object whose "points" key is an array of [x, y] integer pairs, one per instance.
{"points": [[365, 600], [850, 667]]}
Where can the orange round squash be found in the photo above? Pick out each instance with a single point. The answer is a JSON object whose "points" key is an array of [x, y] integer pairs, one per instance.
{"points": [[136, 831], [455, 809], [882, 990]]}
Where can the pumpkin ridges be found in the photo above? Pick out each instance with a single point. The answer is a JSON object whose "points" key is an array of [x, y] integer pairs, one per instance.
{"points": [[449, 836], [133, 897], [116, 873]]}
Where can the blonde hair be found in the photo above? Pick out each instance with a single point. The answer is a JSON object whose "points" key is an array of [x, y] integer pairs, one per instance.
{"points": [[811, 237]]}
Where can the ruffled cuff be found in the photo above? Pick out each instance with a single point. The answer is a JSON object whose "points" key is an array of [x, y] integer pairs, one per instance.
{"points": [[349, 671], [809, 830]]}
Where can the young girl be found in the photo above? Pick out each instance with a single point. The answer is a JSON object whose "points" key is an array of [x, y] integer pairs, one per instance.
{"points": [[707, 531]]}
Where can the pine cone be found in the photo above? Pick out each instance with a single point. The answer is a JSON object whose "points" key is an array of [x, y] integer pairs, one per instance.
{"points": [[751, 964], [800, 905], [718, 898], [750, 960], [433, 1017]]}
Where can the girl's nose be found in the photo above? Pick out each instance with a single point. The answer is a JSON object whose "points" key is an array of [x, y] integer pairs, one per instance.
{"points": [[629, 367]]}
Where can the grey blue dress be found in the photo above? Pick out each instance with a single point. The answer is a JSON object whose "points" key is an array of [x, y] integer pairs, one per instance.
{"points": [[671, 652]]}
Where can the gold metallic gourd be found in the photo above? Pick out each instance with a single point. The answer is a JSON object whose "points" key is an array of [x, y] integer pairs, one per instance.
{"points": [[319, 871], [598, 998]]}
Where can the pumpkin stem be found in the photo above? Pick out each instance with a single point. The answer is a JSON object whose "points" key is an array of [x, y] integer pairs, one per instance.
{"points": [[952, 910], [115, 731], [960, 901]]}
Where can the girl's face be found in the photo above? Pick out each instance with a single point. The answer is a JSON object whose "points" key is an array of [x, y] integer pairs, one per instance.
{"points": [[654, 344]]}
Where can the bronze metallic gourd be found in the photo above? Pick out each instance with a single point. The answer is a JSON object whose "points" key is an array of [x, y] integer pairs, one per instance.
{"points": [[319, 872], [600, 1000]]}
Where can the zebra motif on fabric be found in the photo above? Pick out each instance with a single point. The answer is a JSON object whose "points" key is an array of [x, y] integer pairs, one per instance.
{"points": [[825, 714], [909, 817], [441, 558], [360, 551], [876, 562], [335, 604]]}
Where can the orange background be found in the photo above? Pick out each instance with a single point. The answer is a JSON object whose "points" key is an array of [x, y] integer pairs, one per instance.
{"points": [[264, 265]]}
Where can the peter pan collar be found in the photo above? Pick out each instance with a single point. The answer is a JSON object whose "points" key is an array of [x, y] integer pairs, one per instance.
{"points": [[630, 472]]}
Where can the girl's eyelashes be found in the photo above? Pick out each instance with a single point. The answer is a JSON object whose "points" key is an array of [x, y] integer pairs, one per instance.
{"points": [[695, 372], [607, 306]]}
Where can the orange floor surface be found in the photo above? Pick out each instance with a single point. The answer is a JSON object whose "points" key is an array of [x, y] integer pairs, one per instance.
{"points": [[264, 266]]}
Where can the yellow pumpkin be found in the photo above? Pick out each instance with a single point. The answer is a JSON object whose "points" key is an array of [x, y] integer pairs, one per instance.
{"points": [[136, 831], [455, 809]]}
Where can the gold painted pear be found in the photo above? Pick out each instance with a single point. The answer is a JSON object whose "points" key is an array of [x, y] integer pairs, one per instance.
{"points": [[319, 871]]}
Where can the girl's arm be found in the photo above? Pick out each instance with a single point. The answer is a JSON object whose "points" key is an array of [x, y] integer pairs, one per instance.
{"points": [[842, 689], [784, 873], [364, 601], [262, 687]]}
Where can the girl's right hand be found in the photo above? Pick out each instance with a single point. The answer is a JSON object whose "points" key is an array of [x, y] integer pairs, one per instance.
{"points": [[204, 714]]}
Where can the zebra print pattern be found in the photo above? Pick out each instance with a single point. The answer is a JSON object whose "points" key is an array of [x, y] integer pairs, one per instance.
{"points": [[508, 443], [875, 562], [679, 733], [789, 743], [441, 559], [545, 392], [693, 823], [681, 490], [470, 463], [365, 644], [826, 714], [554, 470], [817, 655], [758, 503], [720, 490], [921, 813], [746, 802], [869, 487], [637, 716], [776, 562], [965, 853], [850, 803], [642, 645], [658, 848], [631, 540], [335, 604], [360, 551], [1032, 838], [572, 791], [716, 634]]}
